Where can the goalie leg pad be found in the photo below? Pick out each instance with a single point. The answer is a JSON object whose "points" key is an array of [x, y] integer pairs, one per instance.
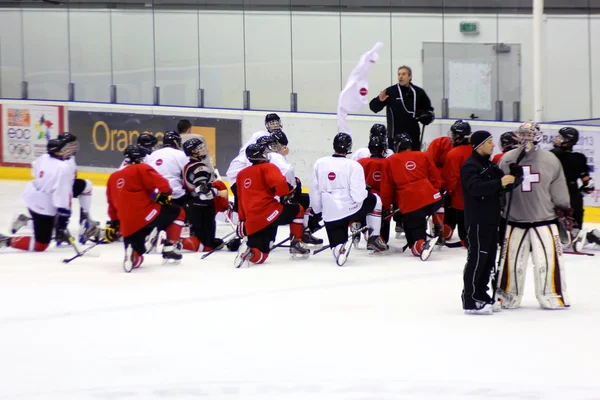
{"points": [[513, 267], [548, 269]]}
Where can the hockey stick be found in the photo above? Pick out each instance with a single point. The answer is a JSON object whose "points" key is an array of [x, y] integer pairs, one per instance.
{"points": [[495, 275], [422, 136], [579, 253], [355, 233], [79, 254], [219, 247]]}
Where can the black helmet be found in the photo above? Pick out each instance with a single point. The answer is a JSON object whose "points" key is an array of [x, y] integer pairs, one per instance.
{"points": [[134, 154], [272, 121], [377, 145], [508, 141], [195, 148], [172, 139], [378, 130], [342, 143], [54, 147], [402, 141], [67, 137], [147, 141], [569, 137], [460, 132], [280, 137], [256, 153], [268, 142]]}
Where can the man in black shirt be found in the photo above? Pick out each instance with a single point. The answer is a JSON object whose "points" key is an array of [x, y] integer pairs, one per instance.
{"points": [[576, 168], [407, 105], [482, 183]]}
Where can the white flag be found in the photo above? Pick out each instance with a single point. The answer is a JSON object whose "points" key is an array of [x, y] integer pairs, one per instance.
{"points": [[354, 96]]}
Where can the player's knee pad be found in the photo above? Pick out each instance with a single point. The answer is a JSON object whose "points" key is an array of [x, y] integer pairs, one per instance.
{"points": [[513, 266], [258, 257], [548, 267]]}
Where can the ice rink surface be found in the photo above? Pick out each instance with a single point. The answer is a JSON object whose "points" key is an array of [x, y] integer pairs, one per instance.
{"points": [[379, 328]]}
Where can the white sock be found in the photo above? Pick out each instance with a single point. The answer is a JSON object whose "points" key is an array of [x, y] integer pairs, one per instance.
{"points": [[374, 218]]}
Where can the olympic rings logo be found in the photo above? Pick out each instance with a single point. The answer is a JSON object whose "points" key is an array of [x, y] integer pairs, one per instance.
{"points": [[19, 150], [19, 133]]}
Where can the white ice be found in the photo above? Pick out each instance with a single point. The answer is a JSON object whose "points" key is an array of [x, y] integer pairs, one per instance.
{"points": [[378, 328]]}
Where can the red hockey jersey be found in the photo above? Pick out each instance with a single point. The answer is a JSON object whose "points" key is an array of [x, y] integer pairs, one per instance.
{"points": [[130, 192], [454, 160], [257, 186], [437, 150], [376, 177], [497, 157], [414, 179]]}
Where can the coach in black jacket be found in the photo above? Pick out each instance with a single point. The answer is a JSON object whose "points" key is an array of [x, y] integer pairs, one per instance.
{"points": [[482, 183], [407, 105]]}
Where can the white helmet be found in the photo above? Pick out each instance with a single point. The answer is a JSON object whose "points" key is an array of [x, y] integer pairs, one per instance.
{"points": [[529, 135]]}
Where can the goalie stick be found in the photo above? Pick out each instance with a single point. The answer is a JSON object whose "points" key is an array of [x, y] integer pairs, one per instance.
{"points": [[496, 271]]}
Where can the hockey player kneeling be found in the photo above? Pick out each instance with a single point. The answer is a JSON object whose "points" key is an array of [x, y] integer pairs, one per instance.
{"points": [[198, 179], [415, 183], [260, 213], [533, 225], [339, 191], [141, 212]]}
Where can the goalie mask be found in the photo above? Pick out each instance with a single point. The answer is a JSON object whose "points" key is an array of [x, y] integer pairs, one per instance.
{"points": [[529, 135], [195, 148]]}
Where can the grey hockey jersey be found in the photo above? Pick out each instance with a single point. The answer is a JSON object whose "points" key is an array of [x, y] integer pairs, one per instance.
{"points": [[544, 186]]}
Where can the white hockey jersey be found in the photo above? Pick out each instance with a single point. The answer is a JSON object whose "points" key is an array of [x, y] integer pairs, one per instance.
{"points": [[366, 153], [52, 185], [169, 162], [337, 187], [241, 161], [286, 169]]}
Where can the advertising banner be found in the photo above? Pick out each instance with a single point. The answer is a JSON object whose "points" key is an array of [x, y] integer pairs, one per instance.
{"points": [[103, 136], [26, 130]]}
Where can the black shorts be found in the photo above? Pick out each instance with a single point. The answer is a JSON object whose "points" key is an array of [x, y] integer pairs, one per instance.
{"points": [[337, 231], [262, 239], [165, 217], [43, 225], [78, 187]]}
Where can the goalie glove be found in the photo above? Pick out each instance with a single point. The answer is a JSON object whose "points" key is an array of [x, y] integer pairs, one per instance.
{"points": [[111, 232], [587, 188]]}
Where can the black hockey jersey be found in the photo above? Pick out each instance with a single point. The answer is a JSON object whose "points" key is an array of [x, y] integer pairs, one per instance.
{"points": [[197, 180], [575, 166]]}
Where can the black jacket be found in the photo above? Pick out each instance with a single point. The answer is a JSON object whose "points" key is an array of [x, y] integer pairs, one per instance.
{"points": [[575, 167], [482, 187], [399, 119]]}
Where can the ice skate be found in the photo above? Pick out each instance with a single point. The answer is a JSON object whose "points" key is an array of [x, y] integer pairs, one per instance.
{"points": [[4, 241], [438, 231], [580, 241], [428, 248], [244, 255], [19, 223], [399, 231], [89, 230], [480, 308], [310, 239], [171, 254], [376, 245], [354, 227], [299, 250], [132, 259]]}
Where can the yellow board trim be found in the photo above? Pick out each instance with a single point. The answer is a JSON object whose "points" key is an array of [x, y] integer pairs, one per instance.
{"points": [[592, 214]]}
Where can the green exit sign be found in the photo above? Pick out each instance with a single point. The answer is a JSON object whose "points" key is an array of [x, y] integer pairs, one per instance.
{"points": [[469, 27]]}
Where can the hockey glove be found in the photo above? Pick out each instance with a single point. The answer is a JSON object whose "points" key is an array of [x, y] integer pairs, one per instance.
{"points": [[368, 188], [241, 229], [111, 232], [206, 191], [516, 170], [164, 199], [426, 117], [588, 188], [565, 218]]}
